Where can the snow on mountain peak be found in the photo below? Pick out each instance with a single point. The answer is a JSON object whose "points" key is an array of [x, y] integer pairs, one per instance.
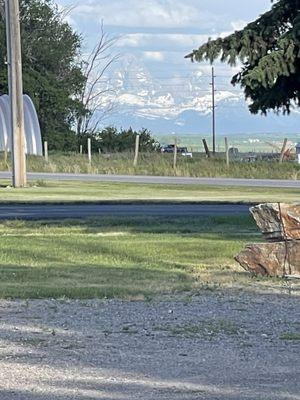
{"points": [[138, 92]]}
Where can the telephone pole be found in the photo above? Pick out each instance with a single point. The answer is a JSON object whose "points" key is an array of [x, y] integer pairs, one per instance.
{"points": [[14, 61], [213, 110]]}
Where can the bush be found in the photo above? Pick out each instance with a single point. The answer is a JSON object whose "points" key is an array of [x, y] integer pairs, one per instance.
{"points": [[110, 140]]}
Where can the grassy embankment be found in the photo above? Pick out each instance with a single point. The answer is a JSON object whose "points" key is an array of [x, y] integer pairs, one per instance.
{"points": [[159, 164], [125, 257], [78, 191]]}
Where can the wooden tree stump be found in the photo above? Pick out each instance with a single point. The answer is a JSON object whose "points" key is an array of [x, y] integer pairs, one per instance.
{"points": [[280, 224]]}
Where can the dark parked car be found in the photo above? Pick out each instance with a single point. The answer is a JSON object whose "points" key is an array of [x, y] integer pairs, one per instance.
{"points": [[180, 150]]}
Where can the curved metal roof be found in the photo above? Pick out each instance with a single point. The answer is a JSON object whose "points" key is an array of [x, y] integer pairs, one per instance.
{"points": [[33, 138]]}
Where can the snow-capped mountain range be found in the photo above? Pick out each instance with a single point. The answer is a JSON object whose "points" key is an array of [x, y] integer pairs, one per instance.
{"points": [[182, 103]]}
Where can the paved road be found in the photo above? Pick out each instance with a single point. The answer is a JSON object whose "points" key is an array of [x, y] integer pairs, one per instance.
{"points": [[166, 180], [53, 211]]}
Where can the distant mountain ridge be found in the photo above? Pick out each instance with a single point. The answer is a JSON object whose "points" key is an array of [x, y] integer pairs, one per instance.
{"points": [[183, 104]]}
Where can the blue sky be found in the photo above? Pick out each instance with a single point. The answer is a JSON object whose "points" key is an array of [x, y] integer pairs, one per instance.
{"points": [[155, 35], [161, 32]]}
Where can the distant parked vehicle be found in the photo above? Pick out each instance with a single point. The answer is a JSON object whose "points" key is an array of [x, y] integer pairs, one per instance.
{"points": [[184, 152], [180, 150], [169, 148]]}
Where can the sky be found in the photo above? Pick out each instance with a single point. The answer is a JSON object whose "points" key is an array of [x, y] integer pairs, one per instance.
{"points": [[161, 32], [156, 35]]}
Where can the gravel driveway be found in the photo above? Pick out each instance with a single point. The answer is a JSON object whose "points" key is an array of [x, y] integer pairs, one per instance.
{"points": [[211, 346]]}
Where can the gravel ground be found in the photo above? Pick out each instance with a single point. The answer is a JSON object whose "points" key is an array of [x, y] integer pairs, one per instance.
{"points": [[212, 346]]}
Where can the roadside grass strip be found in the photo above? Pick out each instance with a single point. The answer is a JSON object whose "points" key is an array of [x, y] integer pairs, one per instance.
{"points": [[81, 191], [158, 164]]}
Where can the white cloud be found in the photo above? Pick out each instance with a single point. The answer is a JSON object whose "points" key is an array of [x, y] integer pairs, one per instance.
{"points": [[146, 13], [238, 25], [157, 41], [154, 55], [212, 15]]}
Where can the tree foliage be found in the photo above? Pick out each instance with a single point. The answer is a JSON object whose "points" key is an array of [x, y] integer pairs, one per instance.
{"points": [[51, 72], [110, 140], [269, 50]]}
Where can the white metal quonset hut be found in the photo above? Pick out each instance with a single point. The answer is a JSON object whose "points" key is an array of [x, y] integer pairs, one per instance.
{"points": [[33, 138]]}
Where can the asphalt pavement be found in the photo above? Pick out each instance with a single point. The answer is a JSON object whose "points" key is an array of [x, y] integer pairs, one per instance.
{"points": [[166, 180], [77, 211]]}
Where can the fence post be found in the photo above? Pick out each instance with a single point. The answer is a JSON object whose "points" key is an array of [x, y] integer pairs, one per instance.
{"points": [[136, 153], [175, 155], [46, 151], [206, 148], [89, 143], [227, 152], [5, 156], [80, 149], [282, 153]]}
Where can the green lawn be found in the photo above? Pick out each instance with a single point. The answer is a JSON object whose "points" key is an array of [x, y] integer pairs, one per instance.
{"points": [[125, 257], [69, 191]]}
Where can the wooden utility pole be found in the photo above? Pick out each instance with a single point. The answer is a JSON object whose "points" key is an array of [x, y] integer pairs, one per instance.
{"points": [[136, 153], [14, 61], [213, 109]]}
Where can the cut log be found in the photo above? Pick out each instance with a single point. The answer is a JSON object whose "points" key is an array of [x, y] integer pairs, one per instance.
{"points": [[278, 222], [273, 259]]}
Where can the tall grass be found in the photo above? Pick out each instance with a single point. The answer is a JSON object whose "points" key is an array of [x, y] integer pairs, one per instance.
{"points": [[158, 164]]}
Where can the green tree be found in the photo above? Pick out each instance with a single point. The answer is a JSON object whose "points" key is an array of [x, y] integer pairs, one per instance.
{"points": [[269, 50], [51, 71], [110, 140]]}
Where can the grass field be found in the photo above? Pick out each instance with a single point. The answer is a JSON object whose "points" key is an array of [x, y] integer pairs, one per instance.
{"points": [[76, 191], [125, 257], [245, 142], [159, 164]]}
